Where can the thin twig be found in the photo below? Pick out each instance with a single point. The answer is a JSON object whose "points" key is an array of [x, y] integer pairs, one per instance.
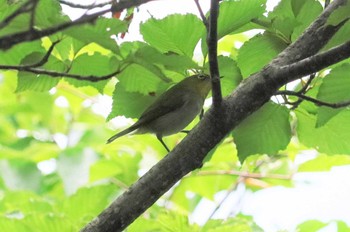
{"points": [[54, 74], [74, 5], [245, 174], [313, 100], [8, 41], [32, 14], [45, 58], [204, 19], [229, 191], [26, 7], [212, 42], [307, 84], [303, 90]]}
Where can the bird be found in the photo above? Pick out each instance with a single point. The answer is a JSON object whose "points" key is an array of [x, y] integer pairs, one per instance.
{"points": [[173, 110]]}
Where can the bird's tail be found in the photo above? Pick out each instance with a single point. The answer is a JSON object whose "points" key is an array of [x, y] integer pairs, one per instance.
{"points": [[124, 132]]}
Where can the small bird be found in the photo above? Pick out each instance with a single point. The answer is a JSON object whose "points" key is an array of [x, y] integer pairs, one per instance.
{"points": [[173, 110]]}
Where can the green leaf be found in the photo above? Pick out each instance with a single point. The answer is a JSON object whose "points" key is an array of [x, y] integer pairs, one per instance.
{"points": [[235, 14], [332, 138], [48, 222], [339, 15], [238, 223], [324, 163], [49, 13], [257, 52], [203, 185], [265, 131], [175, 33], [20, 174], [14, 55], [104, 169], [340, 37], [39, 82], [129, 104], [311, 225], [334, 89], [100, 32], [87, 203], [308, 11], [136, 78], [170, 61], [96, 65], [230, 74]]}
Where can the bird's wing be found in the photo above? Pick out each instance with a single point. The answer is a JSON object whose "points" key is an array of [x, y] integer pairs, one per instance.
{"points": [[166, 103]]}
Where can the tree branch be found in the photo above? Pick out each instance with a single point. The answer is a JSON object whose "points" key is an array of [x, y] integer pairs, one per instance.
{"points": [[312, 40], [313, 100], [88, 7], [315, 63], [212, 42], [43, 60], [8, 41], [51, 73], [204, 19], [26, 7], [32, 14], [216, 123]]}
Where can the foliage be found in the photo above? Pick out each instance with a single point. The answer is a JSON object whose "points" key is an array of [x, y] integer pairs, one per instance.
{"points": [[56, 171]]}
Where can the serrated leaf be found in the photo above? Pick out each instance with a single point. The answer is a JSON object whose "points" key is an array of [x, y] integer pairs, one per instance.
{"points": [[170, 61], [307, 12], [257, 52], [265, 131], [235, 14], [174, 33], [97, 197], [136, 78], [39, 82], [14, 55], [100, 32], [90, 65], [230, 74], [129, 104], [332, 138], [334, 88]]}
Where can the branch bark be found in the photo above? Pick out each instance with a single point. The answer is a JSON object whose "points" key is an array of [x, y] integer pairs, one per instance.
{"points": [[8, 41], [248, 97]]}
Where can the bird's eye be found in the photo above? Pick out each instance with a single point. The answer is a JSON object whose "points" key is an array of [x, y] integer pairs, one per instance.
{"points": [[202, 76]]}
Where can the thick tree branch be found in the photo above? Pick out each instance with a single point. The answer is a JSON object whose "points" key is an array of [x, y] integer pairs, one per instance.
{"points": [[313, 100], [212, 42], [8, 41], [188, 155], [315, 63]]}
